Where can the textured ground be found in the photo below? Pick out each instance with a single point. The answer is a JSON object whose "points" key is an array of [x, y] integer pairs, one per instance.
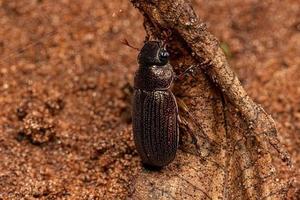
{"points": [[64, 76]]}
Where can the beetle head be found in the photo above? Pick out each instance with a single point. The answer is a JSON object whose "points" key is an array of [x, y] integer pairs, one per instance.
{"points": [[153, 53]]}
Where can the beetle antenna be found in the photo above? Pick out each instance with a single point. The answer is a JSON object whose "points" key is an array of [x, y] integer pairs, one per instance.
{"points": [[164, 43], [125, 42], [166, 34]]}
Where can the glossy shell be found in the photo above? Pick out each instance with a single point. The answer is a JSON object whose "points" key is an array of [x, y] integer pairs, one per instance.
{"points": [[155, 126]]}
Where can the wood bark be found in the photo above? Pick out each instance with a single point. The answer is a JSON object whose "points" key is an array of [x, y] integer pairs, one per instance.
{"points": [[226, 139]]}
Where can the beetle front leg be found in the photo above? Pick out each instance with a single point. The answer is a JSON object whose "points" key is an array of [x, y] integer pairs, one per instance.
{"points": [[189, 70]]}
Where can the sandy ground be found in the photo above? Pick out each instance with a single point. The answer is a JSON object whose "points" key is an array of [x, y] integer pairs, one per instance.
{"points": [[64, 83]]}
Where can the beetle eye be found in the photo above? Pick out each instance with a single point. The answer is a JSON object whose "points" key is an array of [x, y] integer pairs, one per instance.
{"points": [[164, 54]]}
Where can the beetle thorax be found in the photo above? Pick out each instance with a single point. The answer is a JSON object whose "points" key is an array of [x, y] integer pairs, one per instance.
{"points": [[154, 78]]}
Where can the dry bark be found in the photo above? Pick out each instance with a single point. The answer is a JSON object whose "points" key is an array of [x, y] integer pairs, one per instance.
{"points": [[226, 139]]}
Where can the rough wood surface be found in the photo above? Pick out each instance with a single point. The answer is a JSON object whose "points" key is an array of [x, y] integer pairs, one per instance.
{"points": [[227, 140]]}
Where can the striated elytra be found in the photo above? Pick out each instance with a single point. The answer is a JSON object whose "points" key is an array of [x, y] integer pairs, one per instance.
{"points": [[154, 116]]}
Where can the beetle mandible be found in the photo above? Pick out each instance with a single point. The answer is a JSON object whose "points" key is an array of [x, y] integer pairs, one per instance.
{"points": [[155, 111]]}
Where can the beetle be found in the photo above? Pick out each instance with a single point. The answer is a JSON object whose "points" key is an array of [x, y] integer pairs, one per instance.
{"points": [[155, 111]]}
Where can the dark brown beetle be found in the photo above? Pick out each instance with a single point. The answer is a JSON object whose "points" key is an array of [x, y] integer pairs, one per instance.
{"points": [[154, 116]]}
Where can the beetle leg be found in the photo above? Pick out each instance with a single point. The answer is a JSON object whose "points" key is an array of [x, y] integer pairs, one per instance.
{"points": [[189, 70], [179, 119]]}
